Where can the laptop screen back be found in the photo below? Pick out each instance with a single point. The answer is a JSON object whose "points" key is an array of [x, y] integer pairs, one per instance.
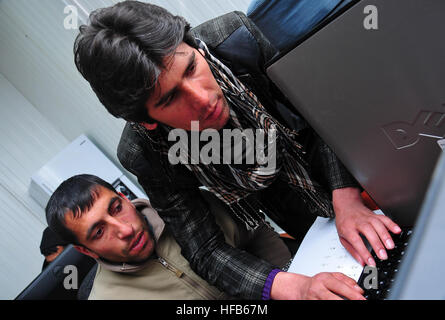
{"points": [[376, 96]]}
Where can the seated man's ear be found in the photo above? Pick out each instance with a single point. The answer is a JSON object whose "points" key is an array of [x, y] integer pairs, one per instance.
{"points": [[149, 126], [86, 251]]}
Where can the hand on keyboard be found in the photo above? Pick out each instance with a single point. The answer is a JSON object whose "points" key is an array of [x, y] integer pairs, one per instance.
{"points": [[353, 219], [386, 270], [322, 286]]}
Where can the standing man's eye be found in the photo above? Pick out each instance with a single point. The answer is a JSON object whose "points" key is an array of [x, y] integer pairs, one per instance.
{"points": [[191, 69], [170, 99]]}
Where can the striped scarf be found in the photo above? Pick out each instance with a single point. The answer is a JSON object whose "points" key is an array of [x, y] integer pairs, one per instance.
{"points": [[233, 183]]}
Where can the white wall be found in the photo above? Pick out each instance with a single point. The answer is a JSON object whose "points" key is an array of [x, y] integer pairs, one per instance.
{"points": [[27, 141], [45, 104]]}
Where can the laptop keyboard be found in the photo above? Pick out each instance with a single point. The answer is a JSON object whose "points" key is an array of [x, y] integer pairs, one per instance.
{"points": [[386, 269]]}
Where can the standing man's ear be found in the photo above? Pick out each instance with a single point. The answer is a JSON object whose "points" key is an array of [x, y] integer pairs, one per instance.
{"points": [[149, 126], [86, 251]]}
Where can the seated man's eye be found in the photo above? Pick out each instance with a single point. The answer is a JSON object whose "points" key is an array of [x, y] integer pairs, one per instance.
{"points": [[99, 233], [117, 208]]}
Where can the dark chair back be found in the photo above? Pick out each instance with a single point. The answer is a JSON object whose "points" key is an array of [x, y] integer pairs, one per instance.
{"points": [[61, 279]]}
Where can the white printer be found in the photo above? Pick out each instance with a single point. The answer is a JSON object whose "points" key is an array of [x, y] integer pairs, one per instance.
{"points": [[80, 157]]}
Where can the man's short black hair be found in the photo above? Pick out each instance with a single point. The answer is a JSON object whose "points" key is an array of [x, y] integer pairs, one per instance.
{"points": [[77, 195], [50, 241], [121, 53]]}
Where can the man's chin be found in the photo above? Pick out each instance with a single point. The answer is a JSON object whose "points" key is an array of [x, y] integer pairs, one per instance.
{"points": [[223, 119], [134, 259], [146, 253]]}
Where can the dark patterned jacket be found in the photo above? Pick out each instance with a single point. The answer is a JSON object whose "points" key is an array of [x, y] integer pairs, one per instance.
{"points": [[173, 189]]}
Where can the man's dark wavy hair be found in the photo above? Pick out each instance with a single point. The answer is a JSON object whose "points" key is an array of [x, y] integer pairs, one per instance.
{"points": [[121, 53]]}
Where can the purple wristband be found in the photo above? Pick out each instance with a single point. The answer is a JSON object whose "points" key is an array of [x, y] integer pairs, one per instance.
{"points": [[268, 284]]}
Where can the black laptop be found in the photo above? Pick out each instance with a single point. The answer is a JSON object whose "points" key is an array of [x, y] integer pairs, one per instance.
{"points": [[370, 80]]}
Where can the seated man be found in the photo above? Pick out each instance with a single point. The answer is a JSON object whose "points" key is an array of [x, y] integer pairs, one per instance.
{"points": [[147, 67], [137, 256]]}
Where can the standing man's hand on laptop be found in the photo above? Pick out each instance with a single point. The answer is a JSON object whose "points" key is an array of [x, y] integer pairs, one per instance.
{"points": [[353, 219], [322, 286]]}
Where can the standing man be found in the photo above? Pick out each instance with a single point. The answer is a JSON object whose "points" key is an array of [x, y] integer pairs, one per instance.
{"points": [[147, 67]]}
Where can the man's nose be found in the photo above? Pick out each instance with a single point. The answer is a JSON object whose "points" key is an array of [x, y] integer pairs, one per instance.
{"points": [[123, 229], [197, 95]]}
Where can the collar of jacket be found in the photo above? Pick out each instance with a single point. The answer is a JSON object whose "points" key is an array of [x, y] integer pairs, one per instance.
{"points": [[144, 207]]}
